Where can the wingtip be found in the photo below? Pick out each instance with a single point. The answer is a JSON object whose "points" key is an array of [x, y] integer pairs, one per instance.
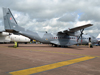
{"points": [[88, 25], [91, 24]]}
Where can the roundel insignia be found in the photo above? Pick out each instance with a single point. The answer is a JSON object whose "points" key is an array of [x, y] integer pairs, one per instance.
{"points": [[10, 18]]}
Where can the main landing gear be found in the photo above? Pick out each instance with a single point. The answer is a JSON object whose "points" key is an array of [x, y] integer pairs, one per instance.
{"points": [[53, 45]]}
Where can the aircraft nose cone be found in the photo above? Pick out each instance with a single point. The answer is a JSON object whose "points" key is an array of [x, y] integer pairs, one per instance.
{"points": [[28, 39]]}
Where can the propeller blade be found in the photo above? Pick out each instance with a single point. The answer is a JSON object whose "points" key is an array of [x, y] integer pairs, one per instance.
{"points": [[80, 35], [81, 39]]}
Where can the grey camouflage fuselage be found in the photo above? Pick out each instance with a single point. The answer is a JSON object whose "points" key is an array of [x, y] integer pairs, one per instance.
{"points": [[65, 38]]}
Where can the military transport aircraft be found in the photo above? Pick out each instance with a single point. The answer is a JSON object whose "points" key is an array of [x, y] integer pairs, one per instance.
{"points": [[61, 38]]}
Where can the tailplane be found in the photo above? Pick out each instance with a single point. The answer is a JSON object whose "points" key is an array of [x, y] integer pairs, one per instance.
{"points": [[10, 23]]}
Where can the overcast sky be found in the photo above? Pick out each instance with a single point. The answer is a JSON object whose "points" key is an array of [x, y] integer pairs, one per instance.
{"points": [[54, 15]]}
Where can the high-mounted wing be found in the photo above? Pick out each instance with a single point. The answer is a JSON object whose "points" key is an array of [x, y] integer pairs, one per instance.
{"points": [[72, 30]]}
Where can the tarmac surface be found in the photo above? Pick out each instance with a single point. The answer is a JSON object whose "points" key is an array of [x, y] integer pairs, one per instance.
{"points": [[43, 59]]}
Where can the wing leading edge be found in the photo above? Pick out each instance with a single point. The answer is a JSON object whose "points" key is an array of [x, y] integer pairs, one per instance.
{"points": [[72, 30]]}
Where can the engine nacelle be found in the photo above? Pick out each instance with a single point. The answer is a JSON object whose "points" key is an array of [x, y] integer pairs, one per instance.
{"points": [[75, 34]]}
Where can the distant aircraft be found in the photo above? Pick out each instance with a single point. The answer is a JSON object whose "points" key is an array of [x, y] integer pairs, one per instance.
{"points": [[64, 38], [98, 37], [10, 37]]}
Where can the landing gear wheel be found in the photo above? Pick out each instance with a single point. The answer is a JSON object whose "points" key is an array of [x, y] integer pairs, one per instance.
{"points": [[55, 45]]}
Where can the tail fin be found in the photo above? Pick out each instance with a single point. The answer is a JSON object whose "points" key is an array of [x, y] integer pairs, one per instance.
{"points": [[10, 23]]}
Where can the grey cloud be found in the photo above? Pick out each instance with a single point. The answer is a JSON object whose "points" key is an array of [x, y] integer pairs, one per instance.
{"points": [[1, 26], [36, 14], [69, 17], [1, 14], [91, 15], [50, 9], [40, 20], [41, 9]]}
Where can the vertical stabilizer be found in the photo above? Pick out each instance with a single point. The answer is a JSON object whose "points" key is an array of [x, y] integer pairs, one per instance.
{"points": [[10, 22]]}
